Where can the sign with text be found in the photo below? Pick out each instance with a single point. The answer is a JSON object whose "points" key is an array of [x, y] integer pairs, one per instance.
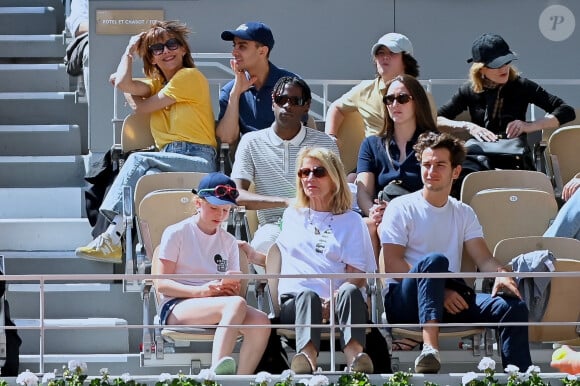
{"points": [[126, 21]]}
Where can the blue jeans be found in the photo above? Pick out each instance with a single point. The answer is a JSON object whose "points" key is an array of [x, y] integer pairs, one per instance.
{"points": [[188, 157], [420, 300], [567, 222]]}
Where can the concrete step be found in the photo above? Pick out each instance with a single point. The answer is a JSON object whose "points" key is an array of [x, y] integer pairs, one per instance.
{"points": [[23, 140], [57, 5], [28, 20], [42, 108], [42, 234], [33, 46], [81, 336], [35, 77], [41, 171], [41, 202], [52, 263]]}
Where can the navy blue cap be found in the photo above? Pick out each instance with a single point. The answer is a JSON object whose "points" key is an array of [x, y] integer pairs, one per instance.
{"points": [[491, 50], [207, 185], [253, 30]]}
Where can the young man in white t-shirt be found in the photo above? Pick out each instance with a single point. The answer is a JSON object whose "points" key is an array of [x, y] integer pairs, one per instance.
{"points": [[426, 232], [199, 245]]}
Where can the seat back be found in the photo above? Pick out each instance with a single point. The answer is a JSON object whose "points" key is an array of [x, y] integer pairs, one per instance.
{"points": [[136, 133], [561, 247], [493, 179], [169, 180], [158, 210], [351, 133], [559, 307], [505, 213], [564, 155]]}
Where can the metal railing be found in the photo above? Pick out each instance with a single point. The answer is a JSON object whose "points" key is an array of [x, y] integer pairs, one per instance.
{"points": [[42, 280]]}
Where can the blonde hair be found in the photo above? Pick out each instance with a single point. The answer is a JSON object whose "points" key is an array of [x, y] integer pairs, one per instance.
{"points": [[341, 200], [476, 77]]}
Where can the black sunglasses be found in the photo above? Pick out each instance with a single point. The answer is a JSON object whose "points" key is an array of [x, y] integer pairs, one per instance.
{"points": [[158, 48], [281, 100], [401, 99], [317, 172]]}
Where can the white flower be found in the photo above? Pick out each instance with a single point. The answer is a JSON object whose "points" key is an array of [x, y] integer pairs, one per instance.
{"points": [[318, 380], [486, 363], [126, 377], [287, 375], [164, 377], [468, 377], [263, 377], [74, 365], [46, 378], [206, 375], [104, 371], [512, 369], [27, 379], [533, 369], [571, 377]]}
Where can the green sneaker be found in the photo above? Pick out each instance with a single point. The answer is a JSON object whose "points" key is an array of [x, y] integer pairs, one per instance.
{"points": [[225, 366], [102, 249]]}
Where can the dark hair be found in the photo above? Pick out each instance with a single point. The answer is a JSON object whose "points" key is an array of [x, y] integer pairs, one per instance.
{"points": [[423, 115], [293, 81], [163, 30], [410, 64], [431, 140]]}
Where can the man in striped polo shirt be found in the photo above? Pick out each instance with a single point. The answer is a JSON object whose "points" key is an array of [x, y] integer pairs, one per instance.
{"points": [[267, 158]]}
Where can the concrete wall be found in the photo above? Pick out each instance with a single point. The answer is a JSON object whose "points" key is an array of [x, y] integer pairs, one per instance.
{"points": [[331, 39]]}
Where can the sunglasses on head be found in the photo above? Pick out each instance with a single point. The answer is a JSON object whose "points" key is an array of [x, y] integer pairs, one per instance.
{"points": [[317, 172], [158, 48], [281, 100], [222, 191], [401, 99]]}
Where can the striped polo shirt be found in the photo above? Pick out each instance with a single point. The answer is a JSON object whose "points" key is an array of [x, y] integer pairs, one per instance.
{"points": [[270, 163]]}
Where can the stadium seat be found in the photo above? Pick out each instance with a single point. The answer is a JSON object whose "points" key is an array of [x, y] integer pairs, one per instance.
{"points": [[496, 179], [505, 213], [559, 308]]}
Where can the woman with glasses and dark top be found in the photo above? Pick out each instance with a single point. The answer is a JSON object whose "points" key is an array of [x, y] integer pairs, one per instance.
{"points": [[199, 245], [388, 158], [177, 96], [321, 235], [497, 97]]}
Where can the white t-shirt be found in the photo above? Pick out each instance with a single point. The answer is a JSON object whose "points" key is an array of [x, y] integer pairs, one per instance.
{"points": [[422, 228], [196, 252], [341, 240]]}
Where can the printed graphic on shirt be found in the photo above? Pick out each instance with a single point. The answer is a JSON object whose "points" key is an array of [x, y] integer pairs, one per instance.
{"points": [[323, 240], [221, 263]]}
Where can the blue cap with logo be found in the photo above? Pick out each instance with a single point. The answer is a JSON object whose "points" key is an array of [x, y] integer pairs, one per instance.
{"points": [[253, 30], [217, 189]]}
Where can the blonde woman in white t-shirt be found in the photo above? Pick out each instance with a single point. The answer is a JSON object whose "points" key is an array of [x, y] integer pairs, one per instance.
{"points": [[198, 245]]}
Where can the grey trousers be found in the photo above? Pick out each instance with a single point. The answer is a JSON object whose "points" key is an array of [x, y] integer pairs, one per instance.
{"points": [[306, 308]]}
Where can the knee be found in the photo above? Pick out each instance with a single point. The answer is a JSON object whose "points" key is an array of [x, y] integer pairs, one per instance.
{"points": [[515, 310], [348, 291], [308, 296], [434, 262], [237, 305]]}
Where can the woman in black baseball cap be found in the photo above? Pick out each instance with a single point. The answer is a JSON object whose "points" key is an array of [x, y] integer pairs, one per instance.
{"points": [[497, 97]]}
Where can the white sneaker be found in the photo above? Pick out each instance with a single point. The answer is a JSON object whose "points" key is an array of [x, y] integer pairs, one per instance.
{"points": [[428, 362]]}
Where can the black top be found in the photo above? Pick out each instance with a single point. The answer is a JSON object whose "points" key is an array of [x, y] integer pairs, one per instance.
{"points": [[515, 96]]}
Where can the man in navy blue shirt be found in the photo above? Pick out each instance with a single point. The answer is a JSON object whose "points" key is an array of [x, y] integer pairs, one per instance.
{"points": [[246, 101]]}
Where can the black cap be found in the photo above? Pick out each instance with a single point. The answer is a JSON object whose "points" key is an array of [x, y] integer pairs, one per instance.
{"points": [[491, 50]]}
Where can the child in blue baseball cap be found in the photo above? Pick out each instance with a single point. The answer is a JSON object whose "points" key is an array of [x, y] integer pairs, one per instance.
{"points": [[199, 245]]}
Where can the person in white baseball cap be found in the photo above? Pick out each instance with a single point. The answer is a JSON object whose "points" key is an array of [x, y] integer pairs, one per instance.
{"points": [[392, 55]]}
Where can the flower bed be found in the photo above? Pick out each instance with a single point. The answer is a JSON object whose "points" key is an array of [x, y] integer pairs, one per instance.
{"points": [[75, 375]]}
